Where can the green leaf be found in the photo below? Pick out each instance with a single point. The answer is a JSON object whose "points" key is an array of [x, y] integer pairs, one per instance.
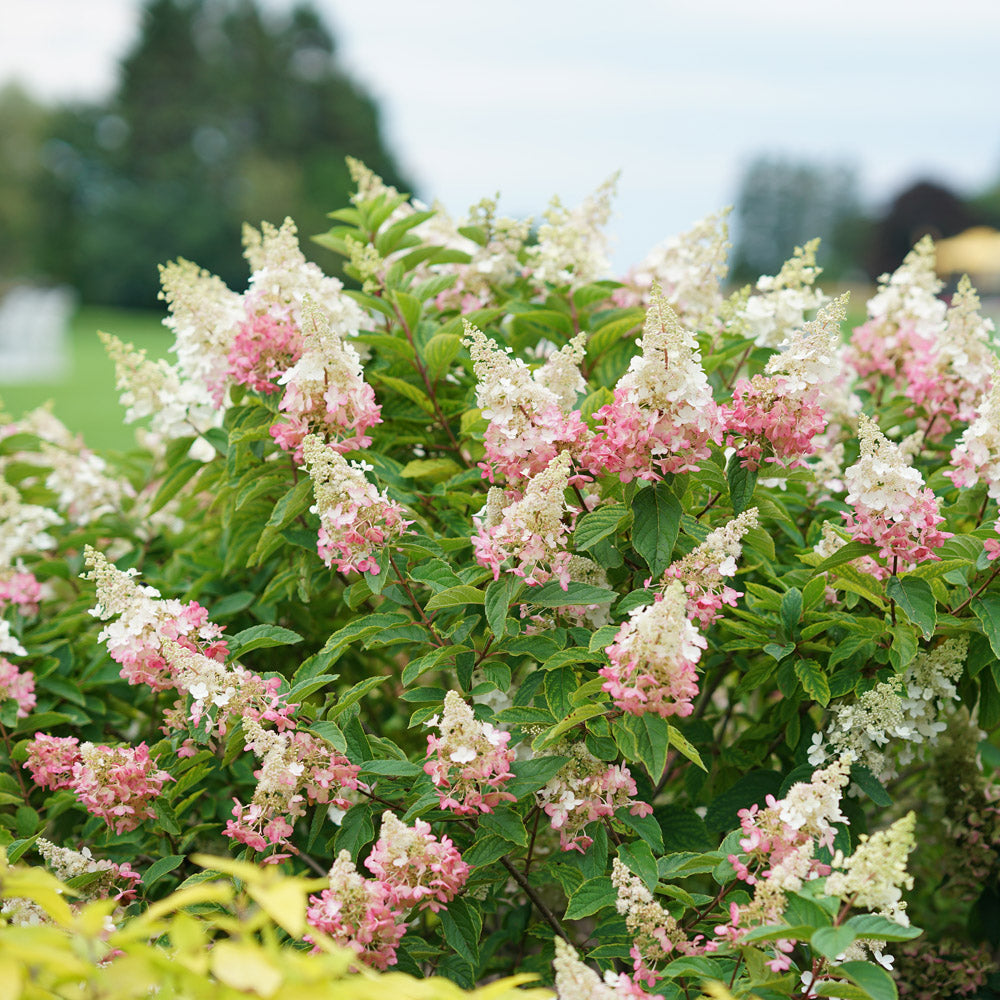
{"points": [[680, 741], [174, 481], [293, 503], [916, 598], [551, 595], [422, 664], [559, 686], [530, 775], [500, 594], [813, 681], [488, 848], [454, 597], [870, 785], [355, 694], [742, 483], [408, 391], [657, 517], [356, 829], [639, 860], [506, 823], [261, 637], [575, 718], [832, 941], [598, 524], [462, 925], [791, 608], [873, 979], [904, 646], [871, 925], [986, 608], [779, 652], [158, 869], [846, 553], [440, 351], [434, 470], [595, 894]]}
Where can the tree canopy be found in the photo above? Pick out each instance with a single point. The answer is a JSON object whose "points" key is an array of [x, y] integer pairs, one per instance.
{"points": [[222, 114]]}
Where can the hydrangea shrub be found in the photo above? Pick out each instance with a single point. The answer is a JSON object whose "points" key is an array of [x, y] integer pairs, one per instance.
{"points": [[633, 634]]}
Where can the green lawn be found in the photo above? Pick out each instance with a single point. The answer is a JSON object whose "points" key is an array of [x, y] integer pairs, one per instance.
{"points": [[86, 399]]}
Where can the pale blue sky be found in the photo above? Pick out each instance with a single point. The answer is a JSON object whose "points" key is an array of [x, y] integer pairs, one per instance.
{"points": [[537, 97]]}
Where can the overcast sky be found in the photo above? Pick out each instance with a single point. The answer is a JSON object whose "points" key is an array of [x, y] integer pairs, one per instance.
{"points": [[538, 97]]}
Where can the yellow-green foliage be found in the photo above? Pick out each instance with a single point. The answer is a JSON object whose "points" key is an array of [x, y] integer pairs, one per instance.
{"points": [[235, 934]]}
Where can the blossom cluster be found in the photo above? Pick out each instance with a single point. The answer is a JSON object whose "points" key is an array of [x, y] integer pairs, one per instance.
{"points": [[297, 768], [654, 656], [118, 784], [705, 569], [412, 869], [663, 416], [469, 761], [584, 790], [531, 416], [892, 508], [356, 519], [528, 529]]}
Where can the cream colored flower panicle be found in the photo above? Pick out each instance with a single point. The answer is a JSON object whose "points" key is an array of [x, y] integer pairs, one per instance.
{"points": [[874, 876], [910, 293], [691, 269], [283, 277], [572, 247], [25, 527], [811, 355], [507, 392], [179, 407], [668, 374], [204, 314], [779, 303], [561, 372], [966, 346], [976, 457], [881, 479]]}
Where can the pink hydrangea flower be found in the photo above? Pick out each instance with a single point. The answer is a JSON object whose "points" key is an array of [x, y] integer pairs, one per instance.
{"points": [[297, 769], [19, 685], [358, 914], [416, 867], [119, 784], [51, 760], [143, 621], [892, 507], [584, 790], [531, 414], [527, 535], [469, 762], [22, 590], [663, 416], [356, 520], [266, 344], [325, 393], [653, 658], [776, 424]]}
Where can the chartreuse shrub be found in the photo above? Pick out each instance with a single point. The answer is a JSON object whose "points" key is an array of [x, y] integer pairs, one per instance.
{"points": [[507, 619], [216, 939]]}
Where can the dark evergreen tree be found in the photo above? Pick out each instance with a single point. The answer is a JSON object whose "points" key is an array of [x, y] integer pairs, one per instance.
{"points": [[222, 114]]}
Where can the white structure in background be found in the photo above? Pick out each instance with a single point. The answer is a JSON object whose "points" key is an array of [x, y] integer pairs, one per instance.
{"points": [[33, 333]]}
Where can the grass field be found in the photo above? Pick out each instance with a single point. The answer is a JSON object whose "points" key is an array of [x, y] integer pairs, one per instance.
{"points": [[86, 399]]}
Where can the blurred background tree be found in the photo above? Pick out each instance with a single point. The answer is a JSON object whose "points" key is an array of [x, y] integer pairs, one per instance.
{"points": [[24, 125], [222, 114], [783, 203]]}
